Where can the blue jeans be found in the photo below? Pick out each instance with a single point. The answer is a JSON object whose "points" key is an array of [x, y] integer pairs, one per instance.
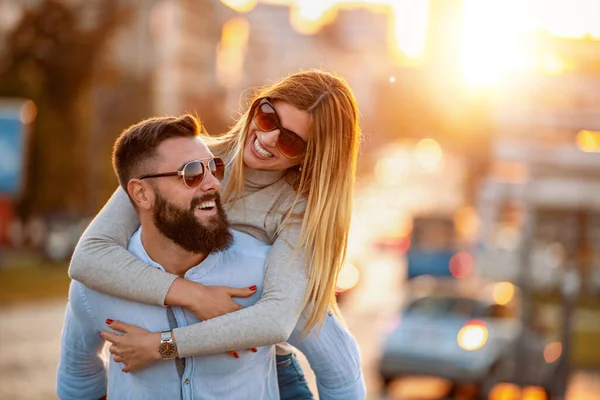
{"points": [[292, 383]]}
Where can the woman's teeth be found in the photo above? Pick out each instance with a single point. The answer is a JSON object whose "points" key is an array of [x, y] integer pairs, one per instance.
{"points": [[261, 150]]}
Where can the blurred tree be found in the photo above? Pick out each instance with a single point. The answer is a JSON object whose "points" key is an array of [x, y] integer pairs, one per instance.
{"points": [[50, 57]]}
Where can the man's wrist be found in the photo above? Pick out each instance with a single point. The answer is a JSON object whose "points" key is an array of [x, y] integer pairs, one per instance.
{"points": [[156, 338]]}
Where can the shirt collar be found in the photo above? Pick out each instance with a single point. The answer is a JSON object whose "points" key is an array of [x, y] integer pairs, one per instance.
{"points": [[137, 249]]}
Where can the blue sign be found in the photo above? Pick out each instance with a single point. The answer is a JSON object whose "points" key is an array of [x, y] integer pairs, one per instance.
{"points": [[11, 154]]}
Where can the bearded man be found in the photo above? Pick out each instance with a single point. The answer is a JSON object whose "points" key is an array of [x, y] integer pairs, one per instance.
{"points": [[173, 181]]}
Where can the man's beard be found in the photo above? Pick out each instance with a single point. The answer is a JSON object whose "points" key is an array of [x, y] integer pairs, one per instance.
{"points": [[184, 229]]}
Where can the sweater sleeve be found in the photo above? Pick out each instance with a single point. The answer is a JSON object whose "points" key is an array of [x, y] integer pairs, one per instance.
{"points": [[271, 320], [102, 262]]}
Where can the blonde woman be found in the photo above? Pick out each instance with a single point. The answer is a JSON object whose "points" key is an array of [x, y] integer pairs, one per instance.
{"points": [[291, 160]]}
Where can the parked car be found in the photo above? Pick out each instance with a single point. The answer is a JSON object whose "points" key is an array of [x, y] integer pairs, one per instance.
{"points": [[465, 331]]}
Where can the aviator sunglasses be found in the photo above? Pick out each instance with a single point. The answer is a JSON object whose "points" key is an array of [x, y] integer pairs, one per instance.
{"points": [[193, 172], [289, 143]]}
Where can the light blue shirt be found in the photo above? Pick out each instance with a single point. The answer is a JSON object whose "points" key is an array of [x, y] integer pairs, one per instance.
{"points": [[84, 374]]}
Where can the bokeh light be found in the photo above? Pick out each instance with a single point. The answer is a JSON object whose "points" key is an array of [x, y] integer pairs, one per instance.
{"points": [[461, 265], [534, 393], [505, 391], [588, 141], [231, 51], [348, 277], [28, 112], [473, 335], [242, 6], [503, 293], [390, 171], [552, 352], [428, 153]]}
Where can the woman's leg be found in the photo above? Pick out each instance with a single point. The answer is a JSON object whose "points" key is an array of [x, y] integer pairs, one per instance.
{"points": [[292, 383]]}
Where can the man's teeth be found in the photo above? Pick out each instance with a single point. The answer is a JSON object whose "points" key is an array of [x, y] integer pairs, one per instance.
{"points": [[261, 150], [206, 204]]}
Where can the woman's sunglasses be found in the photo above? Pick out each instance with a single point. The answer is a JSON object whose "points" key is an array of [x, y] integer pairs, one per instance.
{"points": [[193, 172], [289, 143]]}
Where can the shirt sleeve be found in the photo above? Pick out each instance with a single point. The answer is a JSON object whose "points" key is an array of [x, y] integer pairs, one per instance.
{"points": [[334, 356], [271, 320], [101, 260], [81, 370]]}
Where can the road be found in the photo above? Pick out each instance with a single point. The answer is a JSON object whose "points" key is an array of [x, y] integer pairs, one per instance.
{"points": [[30, 337]]}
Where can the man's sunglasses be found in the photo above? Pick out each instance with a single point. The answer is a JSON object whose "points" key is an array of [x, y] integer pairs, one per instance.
{"points": [[289, 143], [193, 172]]}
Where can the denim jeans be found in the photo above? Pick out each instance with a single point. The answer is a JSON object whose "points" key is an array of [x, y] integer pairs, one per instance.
{"points": [[292, 383]]}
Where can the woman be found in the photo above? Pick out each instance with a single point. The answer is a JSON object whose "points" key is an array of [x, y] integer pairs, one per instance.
{"points": [[291, 165]]}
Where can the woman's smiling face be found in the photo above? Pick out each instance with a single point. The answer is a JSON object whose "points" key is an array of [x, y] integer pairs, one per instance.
{"points": [[260, 150]]}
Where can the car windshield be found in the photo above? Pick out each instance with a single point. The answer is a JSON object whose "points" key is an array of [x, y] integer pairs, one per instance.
{"points": [[438, 306], [433, 234]]}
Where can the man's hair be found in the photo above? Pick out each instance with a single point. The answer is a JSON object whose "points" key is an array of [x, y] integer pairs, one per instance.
{"points": [[134, 152]]}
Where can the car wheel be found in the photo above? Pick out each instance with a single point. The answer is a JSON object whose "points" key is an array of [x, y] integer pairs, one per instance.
{"points": [[387, 381]]}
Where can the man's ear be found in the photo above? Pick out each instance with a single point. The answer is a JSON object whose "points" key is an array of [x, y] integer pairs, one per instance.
{"points": [[141, 193]]}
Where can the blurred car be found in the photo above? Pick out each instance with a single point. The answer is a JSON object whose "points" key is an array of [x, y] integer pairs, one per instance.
{"points": [[432, 246], [465, 331]]}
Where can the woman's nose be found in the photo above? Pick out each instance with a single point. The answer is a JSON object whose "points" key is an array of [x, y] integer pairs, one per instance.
{"points": [[270, 138]]}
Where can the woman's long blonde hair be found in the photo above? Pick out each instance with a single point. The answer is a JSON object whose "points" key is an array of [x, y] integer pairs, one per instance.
{"points": [[326, 178]]}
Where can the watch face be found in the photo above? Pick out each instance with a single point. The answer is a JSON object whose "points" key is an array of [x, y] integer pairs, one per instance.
{"points": [[167, 349]]}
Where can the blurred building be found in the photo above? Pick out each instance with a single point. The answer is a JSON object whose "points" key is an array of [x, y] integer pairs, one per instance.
{"points": [[354, 44], [545, 158]]}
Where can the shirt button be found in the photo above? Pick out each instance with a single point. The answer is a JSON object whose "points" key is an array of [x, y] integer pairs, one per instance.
{"points": [[187, 381]]}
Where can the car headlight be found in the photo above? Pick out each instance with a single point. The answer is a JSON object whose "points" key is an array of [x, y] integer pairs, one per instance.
{"points": [[472, 336]]}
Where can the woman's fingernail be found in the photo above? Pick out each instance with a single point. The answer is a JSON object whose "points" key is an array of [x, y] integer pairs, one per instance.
{"points": [[101, 336], [254, 349], [109, 321], [253, 288], [236, 355]]}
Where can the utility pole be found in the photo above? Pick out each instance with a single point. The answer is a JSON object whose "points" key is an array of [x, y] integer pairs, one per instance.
{"points": [[524, 280]]}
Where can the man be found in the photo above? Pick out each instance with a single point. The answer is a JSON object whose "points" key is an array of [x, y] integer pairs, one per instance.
{"points": [[184, 232]]}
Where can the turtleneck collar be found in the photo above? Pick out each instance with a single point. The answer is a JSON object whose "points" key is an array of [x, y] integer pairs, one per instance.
{"points": [[258, 178]]}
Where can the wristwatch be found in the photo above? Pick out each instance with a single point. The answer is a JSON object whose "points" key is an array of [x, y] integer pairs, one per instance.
{"points": [[167, 347]]}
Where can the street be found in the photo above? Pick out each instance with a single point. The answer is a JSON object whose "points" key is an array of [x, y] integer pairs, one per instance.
{"points": [[30, 338]]}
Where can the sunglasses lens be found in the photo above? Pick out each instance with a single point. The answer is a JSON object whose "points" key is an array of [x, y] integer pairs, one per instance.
{"points": [[217, 168], [290, 145], [266, 118], [193, 173]]}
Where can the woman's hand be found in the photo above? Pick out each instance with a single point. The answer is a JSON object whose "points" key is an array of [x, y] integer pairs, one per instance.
{"points": [[206, 302], [135, 348]]}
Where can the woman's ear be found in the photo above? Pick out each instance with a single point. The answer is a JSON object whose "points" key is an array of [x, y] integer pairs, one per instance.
{"points": [[141, 193]]}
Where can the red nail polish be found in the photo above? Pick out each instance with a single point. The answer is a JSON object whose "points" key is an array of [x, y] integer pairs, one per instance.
{"points": [[109, 321], [253, 288], [101, 336], [254, 349], [236, 355]]}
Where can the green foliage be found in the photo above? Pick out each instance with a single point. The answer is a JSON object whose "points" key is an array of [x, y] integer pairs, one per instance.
{"points": [[51, 58], [33, 282]]}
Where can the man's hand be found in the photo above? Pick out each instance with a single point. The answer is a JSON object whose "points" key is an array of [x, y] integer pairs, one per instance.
{"points": [[206, 302]]}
